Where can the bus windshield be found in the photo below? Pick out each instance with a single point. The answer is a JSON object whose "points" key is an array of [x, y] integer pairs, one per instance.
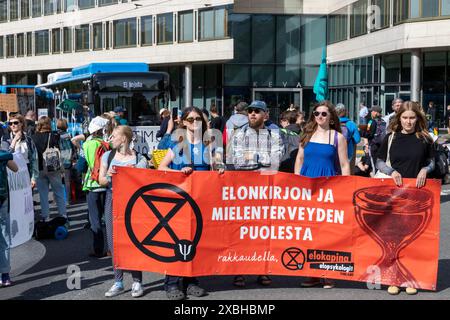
{"points": [[103, 87]]}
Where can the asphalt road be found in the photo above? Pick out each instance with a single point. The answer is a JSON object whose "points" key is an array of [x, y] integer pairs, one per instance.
{"points": [[48, 270]]}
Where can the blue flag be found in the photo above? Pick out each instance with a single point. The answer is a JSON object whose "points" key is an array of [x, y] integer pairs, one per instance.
{"points": [[321, 83]]}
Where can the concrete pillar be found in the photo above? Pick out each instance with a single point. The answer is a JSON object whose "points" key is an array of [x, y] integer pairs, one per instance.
{"points": [[415, 74], [4, 79], [188, 85], [39, 78]]}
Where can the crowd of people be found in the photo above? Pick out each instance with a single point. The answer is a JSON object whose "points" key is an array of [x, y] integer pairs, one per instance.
{"points": [[398, 145]]}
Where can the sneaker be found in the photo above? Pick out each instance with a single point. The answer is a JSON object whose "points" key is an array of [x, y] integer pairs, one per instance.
{"points": [[6, 283], [115, 290], [136, 290], [175, 294], [393, 290], [310, 282], [195, 290], [328, 284], [411, 291]]}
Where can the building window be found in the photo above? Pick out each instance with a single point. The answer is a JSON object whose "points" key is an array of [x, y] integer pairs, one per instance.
{"points": [[146, 30], [10, 46], [49, 7], [445, 7], [358, 19], [37, 8], [186, 26], [13, 10], [288, 41], [41, 42], [67, 35], [102, 3], [263, 39], [82, 38], [337, 25], [24, 9], [29, 43], [2, 53], [107, 35], [70, 5], [3, 10], [21, 45], [384, 19], [97, 28], [86, 4], [213, 24], [125, 33], [314, 39], [430, 8], [401, 10], [56, 41], [165, 28]]}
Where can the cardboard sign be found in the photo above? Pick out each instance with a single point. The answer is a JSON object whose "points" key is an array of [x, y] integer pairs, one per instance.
{"points": [[8, 102], [349, 228]]}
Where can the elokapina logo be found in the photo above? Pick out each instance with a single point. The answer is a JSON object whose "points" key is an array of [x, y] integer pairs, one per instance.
{"points": [[293, 259], [160, 231]]}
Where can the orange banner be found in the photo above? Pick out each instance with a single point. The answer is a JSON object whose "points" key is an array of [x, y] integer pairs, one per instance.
{"points": [[349, 228]]}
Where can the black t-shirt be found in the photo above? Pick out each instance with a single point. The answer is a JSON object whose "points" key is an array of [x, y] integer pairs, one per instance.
{"points": [[218, 123], [408, 154]]}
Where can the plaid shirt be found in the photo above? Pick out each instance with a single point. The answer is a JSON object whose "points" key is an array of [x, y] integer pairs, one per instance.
{"points": [[256, 150]]}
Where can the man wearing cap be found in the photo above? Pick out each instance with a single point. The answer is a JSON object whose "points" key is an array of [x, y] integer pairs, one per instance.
{"points": [[255, 148], [95, 192], [120, 113], [376, 131]]}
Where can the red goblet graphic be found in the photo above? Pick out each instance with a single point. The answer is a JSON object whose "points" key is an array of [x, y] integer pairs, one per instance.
{"points": [[394, 218]]}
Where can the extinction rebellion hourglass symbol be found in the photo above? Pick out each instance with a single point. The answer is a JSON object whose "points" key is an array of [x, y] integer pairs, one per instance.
{"points": [[174, 248], [394, 218]]}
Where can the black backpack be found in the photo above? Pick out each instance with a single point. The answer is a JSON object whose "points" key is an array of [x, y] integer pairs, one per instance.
{"points": [[441, 162], [48, 230], [380, 132]]}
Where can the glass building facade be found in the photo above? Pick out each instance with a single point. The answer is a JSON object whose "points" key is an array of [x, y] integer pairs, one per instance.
{"points": [[276, 57]]}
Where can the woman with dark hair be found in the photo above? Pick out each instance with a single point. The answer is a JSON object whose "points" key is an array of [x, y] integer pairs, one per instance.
{"points": [[19, 141], [188, 155], [410, 152], [322, 153], [44, 138]]}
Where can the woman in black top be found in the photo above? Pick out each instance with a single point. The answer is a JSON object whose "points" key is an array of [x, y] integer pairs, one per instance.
{"points": [[410, 155]]}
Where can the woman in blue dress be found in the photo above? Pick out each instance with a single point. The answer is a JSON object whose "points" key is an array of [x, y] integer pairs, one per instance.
{"points": [[322, 153], [189, 154]]}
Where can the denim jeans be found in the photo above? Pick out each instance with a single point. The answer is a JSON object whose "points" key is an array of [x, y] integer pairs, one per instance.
{"points": [[96, 209], [5, 238], [43, 182]]}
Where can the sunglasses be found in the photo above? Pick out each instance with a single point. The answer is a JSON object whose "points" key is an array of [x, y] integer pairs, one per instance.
{"points": [[255, 110], [323, 113], [14, 123], [191, 120]]}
